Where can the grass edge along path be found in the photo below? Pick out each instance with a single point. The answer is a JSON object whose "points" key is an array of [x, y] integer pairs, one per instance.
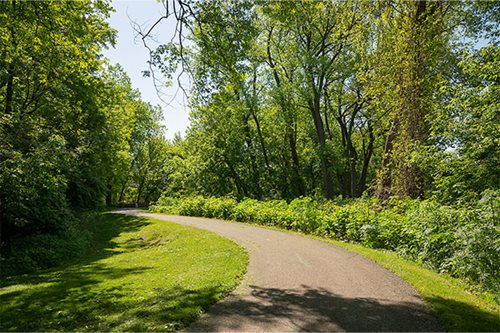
{"points": [[141, 275], [447, 298]]}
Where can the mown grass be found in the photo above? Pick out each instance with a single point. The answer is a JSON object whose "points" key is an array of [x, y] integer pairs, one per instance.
{"points": [[142, 275]]}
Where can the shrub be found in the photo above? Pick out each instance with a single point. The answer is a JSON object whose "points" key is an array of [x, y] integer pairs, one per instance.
{"points": [[477, 250], [40, 251], [167, 205], [221, 208], [192, 206]]}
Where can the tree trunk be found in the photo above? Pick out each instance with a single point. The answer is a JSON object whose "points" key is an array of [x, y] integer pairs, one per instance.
{"points": [[109, 195], [262, 142], [9, 93], [366, 161], [290, 125], [253, 161], [240, 185], [2, 219], [298, 182], [314, 107], [257, 123], [140, 189], [398, 176]]}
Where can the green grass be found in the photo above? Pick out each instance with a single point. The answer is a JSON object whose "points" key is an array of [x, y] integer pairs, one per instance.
{"points": [[448, 298], [142, 275]]}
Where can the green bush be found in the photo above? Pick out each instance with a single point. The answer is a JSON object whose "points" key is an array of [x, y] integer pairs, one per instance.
{"points": [[477, 249], [221, 208], [41, 251], [166, 205], [461, 241], [192, 206]]}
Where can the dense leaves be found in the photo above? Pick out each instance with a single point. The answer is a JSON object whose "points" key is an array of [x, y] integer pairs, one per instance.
{"points": [[338, 98], [465, 159], [73, 132], [293, 102], [391, 100]]}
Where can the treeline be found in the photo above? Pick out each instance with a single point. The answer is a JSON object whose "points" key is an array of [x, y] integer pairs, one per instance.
{"points": [[323, 99], [338, 98], [74, 134]]}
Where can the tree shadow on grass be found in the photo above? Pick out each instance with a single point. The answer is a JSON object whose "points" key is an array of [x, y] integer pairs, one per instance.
{"points": [[63, 300], [96, 294], [103, 229], [73, 305], [462, 317], [53, 299]]}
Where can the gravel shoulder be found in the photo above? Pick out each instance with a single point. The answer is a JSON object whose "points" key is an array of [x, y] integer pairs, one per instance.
{"points": [[295, 283]]}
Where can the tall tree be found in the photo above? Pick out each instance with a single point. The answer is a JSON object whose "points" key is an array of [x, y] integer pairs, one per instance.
{"points": [[409, 54]]}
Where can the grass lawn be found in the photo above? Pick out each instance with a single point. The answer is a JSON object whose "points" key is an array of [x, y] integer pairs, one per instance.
{"points": [[142, 275]]}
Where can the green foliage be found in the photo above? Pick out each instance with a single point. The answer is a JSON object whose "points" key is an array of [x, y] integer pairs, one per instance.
{"points": [[42, 250], [50, 119], [461, 241], [325, 99], [219, 208], [464, 160], [73, 132], [36, 252]]}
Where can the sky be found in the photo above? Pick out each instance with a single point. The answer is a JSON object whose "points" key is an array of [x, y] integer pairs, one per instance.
{"points": [[131, 54]]}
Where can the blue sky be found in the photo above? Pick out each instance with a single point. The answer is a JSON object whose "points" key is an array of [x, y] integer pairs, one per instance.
{"points": [[132, 55]]}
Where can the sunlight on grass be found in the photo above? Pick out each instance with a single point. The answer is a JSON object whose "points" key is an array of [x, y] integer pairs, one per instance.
{"points": [[143, 275]]}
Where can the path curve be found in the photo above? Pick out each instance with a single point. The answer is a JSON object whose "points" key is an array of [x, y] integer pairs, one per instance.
{"points": [[294, 283]]}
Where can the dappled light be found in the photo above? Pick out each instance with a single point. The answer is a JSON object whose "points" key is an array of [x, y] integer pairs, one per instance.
{"points": [[372, 125], [122, 285]]}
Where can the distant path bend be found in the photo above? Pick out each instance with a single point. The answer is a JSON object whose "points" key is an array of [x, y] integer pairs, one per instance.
{"points": [[296, 283]]}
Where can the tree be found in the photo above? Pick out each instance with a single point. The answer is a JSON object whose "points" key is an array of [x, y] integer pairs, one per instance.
{"points": [[463, 156], [71, 127], [309, 97], [49, 115], [409, 53]]}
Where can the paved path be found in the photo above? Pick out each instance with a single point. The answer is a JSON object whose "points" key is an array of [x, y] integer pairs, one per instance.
{"points": [[296, 283]]}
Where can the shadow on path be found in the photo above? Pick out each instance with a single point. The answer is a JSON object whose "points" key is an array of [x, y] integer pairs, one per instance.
{"points": [[313, 310]]}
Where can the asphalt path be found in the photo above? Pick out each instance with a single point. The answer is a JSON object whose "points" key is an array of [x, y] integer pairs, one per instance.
{"points": [[295, 283]]}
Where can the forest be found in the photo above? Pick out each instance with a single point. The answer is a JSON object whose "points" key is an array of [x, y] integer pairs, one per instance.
{"points": [[374, 122], [74, 134]]}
